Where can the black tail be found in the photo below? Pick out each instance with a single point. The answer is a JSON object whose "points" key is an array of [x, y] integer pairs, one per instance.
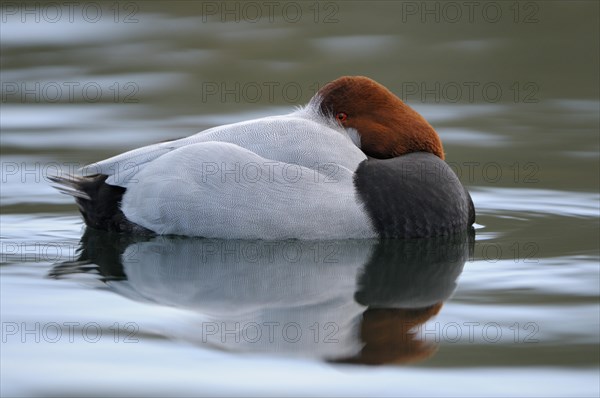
{"points": [[99, 202]]}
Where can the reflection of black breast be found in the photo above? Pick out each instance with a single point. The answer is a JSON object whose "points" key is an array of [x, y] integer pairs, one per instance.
{"points": [[413, 273], [413, 196]]}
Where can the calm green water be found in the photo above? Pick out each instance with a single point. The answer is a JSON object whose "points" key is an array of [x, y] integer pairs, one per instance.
{"points": [[512, 88]]}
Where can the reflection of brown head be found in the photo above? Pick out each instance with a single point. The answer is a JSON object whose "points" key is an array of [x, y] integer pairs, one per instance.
{"points": [[404, 285], [390, 336]]}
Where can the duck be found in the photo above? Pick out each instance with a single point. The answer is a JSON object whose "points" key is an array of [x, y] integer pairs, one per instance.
{"points": [[355, 163]]}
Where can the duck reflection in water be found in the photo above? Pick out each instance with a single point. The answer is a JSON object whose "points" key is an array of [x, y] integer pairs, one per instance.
{"points": [[346, 301]]}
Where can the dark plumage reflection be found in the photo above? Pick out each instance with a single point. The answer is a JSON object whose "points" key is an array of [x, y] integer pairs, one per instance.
{"points": [[351, 301]]}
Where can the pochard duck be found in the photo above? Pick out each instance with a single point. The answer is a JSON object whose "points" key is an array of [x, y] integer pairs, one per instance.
{"points": [[356, 162]]}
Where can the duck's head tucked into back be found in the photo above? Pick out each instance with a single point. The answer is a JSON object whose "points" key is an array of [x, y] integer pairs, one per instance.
{"points": [[357, 162], [386, 126]]}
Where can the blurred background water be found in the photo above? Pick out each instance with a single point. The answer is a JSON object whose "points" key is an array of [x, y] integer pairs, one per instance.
{"points": [[511, 87]]}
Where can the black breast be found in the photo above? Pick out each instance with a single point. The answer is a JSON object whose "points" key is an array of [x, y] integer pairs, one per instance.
{"points": [[413, 196]]}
